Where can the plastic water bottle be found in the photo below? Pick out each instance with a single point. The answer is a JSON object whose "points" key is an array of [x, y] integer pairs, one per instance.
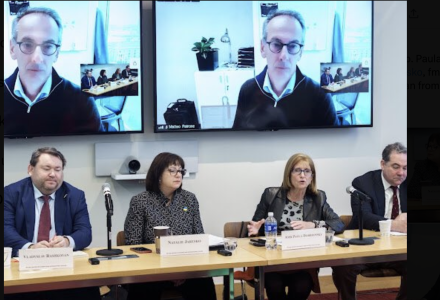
{"points": [[270, 229]]}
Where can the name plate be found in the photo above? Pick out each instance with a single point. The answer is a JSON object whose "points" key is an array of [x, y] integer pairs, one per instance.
{"points": [[184, 244], [300, 239], [47, 258]]}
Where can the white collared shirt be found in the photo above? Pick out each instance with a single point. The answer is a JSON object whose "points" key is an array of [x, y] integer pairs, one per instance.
{"points": [[38, 207], [389, 198], [19, 91], [267, 86]]}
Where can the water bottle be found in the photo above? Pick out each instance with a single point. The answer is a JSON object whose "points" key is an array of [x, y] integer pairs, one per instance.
{"points": [[270, 229]]}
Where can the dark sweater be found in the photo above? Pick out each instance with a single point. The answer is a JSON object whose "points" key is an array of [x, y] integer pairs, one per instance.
{"points": [[65, 111], [307, 106]]}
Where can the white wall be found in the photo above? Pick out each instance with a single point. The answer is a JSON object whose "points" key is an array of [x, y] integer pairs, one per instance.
{"points": [[235, 167]]}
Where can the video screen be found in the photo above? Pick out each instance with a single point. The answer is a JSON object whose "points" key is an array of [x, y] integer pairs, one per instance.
{"points": [[72, 68], [254, 65]]}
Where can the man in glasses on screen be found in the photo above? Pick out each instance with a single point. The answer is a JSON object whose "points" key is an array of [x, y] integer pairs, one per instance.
{"points": [[281, 96], [37, 100]]}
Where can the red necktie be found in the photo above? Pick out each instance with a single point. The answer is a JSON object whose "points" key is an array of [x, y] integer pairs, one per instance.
{"points": [[395, 211], [44, 227]]}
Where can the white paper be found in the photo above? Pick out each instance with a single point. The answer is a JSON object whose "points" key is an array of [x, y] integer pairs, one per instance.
{"points": [[397, 233], [80, 254], [215, 240]]}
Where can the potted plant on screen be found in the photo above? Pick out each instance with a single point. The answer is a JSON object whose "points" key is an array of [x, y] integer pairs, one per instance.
{"points": [[207, 57]]}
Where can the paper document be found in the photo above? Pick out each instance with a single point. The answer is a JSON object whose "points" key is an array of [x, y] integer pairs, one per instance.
{"points": [[215, 240], [80, 254], [397, 233]]}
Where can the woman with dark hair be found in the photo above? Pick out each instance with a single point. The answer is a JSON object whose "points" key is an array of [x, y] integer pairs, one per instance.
{"points": [[165, 203], [297, 204], [426, 172], [102, 77], [338, 75]]}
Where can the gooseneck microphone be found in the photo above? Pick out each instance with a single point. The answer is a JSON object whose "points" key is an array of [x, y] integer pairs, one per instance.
{"points": [[108, 198], [361, 197], [109, 206], [351, 190]]}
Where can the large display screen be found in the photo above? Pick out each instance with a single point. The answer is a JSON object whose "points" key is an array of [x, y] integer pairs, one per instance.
{"points": [[72, 67], [254, 65]]}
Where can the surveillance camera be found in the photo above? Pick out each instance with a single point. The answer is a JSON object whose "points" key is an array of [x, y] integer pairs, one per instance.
{"points": [[133, 166]]}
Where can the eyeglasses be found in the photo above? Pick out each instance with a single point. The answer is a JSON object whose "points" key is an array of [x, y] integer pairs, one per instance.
{"points": [[298, 171], [175, 171], [432, 146], [48, 49], [292, 48]]}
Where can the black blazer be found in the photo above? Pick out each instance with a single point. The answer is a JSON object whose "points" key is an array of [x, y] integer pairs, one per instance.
{"points": [[371, 184], [315, 208]]}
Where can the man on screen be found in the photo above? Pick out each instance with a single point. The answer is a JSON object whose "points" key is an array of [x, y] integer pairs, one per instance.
{"points": [[88, 81], [281, 96], [326, 77], [37, 100], [359, 71], [127, 72]]}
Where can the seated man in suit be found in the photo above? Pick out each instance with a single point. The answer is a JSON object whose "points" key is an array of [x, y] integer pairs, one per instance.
{"points": [[29, 223], [126, 73], [326, 77], [387, 190], [359, 71], [88, 81]]}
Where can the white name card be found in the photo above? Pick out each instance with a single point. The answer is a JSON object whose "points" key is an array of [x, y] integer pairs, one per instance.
{"points": [[47, 258], [184, 244], [300, 239]]}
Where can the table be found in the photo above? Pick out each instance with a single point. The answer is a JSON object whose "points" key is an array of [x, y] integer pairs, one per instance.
{"points": [[106, 88], [393, 248], [148, 267], [354, 83]]}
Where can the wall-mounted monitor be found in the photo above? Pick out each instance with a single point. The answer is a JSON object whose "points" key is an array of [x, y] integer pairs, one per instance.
{"points": [[254, 65], [72, 68]]}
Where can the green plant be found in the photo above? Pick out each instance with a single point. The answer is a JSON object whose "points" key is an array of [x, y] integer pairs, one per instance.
{"points": [[204, 46]]}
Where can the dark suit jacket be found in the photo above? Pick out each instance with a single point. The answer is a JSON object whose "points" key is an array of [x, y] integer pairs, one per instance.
{"points": [[339, 77], [326, 79], [125, 74], [371, 184], [85, 85], [358, 72], [71, 215]]}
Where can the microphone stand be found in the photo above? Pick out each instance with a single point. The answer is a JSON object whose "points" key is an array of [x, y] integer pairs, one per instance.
{"points": [[109, 251], [361, 240]]}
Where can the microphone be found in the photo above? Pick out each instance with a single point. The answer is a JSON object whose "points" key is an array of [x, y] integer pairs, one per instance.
{"points": [[362, 197], [108, 198], [351, 190], [109, 206]]}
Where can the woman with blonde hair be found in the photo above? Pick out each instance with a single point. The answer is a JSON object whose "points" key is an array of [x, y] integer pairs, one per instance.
{"points": [[297, 204]]}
